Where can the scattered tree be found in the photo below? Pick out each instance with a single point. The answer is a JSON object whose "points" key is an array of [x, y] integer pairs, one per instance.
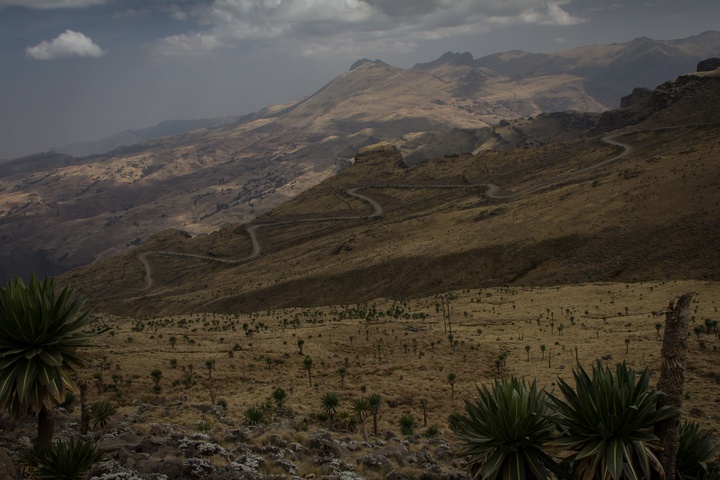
{"points": [[308, 363], [40, 333], [424, 404], [342, 371], [452, 378], [407, 424], [330, 403], [375, 401], [156, 376], [279, 396], [359, 408]]}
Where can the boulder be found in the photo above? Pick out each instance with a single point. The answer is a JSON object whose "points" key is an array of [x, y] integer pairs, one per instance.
{"points": [[127, 440]]}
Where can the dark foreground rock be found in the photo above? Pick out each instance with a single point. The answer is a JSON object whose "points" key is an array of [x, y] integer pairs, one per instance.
{"points": [[284, 449]]}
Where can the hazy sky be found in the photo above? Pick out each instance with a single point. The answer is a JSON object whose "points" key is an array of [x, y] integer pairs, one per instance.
{"points": [[76, 70]]}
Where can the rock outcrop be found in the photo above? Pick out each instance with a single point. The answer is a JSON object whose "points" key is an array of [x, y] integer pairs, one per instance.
{"points": [[638, 95], [708, 65], [382, 155]]}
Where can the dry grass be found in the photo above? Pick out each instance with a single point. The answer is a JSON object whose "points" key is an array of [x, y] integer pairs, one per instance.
{"points": [[405, 359], [651, 215]]}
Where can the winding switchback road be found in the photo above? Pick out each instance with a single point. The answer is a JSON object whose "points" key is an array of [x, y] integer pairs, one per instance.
{"points": [[492, 191]]}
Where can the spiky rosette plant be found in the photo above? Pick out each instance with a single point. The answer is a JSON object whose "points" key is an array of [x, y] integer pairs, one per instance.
{"points": [[330, 404], [407, 424], [607, 422], [504, 432], [256, 415], [360, 408], [68, 460], [695, 454], [40, 333], [102, 413]]}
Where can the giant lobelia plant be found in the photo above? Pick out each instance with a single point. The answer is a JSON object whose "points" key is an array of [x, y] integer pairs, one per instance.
{"points": [[505, 432], [607, 423], [40, 332]]}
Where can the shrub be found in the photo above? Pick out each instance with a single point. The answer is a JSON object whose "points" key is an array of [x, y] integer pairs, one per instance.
{"points": [[695, 453], [504, 432], [279, 395], [69, 460], [101, 412], [407, 424], [255, 415], [607, 422]]}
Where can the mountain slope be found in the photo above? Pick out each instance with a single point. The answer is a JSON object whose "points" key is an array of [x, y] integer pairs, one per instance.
{"points": [[612, 70], [131, 137], [57, 218], [562, 214], [59, 212]]}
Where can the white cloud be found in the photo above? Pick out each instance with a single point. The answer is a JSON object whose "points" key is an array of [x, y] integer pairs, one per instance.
{"points": [[67, 44], [48, 4], [188, 44], [394, 25]]}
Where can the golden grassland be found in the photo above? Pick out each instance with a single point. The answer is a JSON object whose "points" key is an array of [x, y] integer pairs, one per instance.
{"points": [[650, 215], [404, 359]]}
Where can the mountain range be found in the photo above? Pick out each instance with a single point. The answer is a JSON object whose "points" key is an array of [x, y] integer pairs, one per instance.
{"points": [[631, 199], [59, 212]]}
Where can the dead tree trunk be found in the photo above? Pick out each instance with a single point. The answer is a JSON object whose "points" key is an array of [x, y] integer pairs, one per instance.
{"points": [[672, 378]]}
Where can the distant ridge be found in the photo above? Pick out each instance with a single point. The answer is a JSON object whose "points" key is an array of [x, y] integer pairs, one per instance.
{"points": [[610, 71], [131, 137]]}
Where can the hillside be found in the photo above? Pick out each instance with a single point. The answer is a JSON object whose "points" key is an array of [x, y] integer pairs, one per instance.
{"points": [[59, 212], [611, 71], [132, 137], [576, 211]]}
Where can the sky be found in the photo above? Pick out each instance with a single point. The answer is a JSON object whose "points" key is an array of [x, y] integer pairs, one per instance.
{"points": [[79, 70]]}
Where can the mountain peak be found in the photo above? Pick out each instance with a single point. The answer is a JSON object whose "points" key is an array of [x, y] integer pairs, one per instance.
{"points": [[449, 58], [364, 61]]}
